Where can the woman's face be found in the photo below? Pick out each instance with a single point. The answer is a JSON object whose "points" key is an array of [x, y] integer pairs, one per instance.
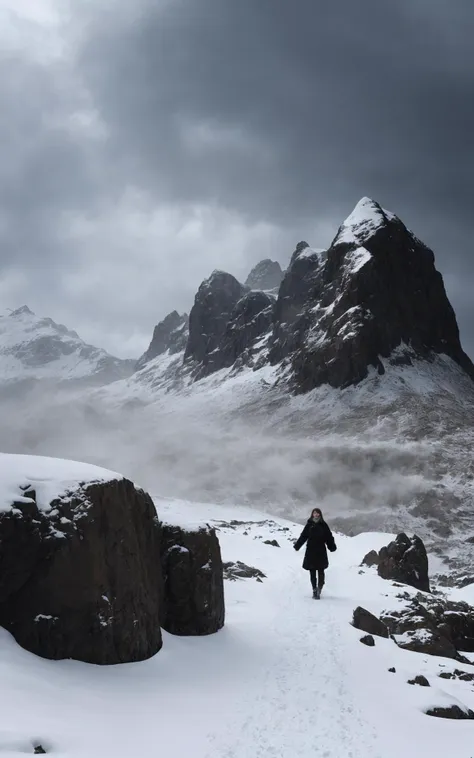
{"points": [[316, 513]]}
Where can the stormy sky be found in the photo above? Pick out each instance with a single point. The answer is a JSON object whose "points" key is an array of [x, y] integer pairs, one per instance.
{"points": [[146, 143]]}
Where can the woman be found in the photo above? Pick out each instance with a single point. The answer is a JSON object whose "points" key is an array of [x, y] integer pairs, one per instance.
{"points": [[318, 535]]}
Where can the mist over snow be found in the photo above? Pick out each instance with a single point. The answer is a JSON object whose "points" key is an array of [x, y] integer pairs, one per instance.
{"points": [[237, 445]]}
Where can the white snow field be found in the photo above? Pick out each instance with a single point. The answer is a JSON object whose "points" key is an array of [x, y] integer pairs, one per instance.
{"points": [[287, 676]]}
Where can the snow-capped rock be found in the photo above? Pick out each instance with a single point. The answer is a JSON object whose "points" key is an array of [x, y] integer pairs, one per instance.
{"points": [[170, 335], [364, 221], [33, 348], [266, 275], [79, 564], [376, 295]]}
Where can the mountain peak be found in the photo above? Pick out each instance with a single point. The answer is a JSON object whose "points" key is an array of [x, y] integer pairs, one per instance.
{"points": [[23, 311], [266, 275], [363, 222]]}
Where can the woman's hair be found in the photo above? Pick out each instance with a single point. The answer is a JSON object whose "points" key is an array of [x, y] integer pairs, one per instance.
{"points": [[318, 510]]}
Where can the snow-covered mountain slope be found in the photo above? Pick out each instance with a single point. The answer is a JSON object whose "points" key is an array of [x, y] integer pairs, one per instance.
{"points": [[287, 676], [33, 348]]}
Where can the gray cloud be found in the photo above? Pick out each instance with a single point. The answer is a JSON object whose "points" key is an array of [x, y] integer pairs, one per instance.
{"points": [[247, 125]]}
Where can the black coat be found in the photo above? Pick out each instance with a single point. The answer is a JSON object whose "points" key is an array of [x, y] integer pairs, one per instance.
{"points": [[318, 536]]}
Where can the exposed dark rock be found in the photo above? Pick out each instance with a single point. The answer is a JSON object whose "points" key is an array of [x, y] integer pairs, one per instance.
{"points": [[454, 580], [405, 560], [463, 676], [301, 285], [450, 712], [273, 543], [368, 640], [39, 750], [239, 570], [170, 334], [367, 622], [393, 670], [193, 598], [249, 321], [82, 580], [371, 559], [421, 680], [266, 275], [378, 292], [433, 626], [209, 317]]}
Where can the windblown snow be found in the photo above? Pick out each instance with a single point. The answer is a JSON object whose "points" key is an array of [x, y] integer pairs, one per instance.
{"points": [[286, 677]]}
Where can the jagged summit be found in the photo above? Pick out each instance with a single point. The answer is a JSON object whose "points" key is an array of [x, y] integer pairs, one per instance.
{"points": [[266, 276], [171, 335], [213, 305], [364, 221], [35, 348], [22, 311]]}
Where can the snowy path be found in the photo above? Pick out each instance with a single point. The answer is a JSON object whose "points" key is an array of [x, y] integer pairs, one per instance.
{"points": [[286, 678], [298, 703]]}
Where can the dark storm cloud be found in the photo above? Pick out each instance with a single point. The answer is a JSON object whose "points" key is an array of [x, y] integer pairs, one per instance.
{"points": [[281, 113], [306, 106], [321, 102]]}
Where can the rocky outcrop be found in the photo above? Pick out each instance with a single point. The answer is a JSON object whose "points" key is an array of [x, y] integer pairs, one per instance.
{"points": [[405, 560], [170, 335], [433, 626], [250, 320], [238, 570], [451, 712], [376, 296], [193, 587], [367, 622], [367, 640], [463, 676], [213, 306], [80, 579], [371, 559], [301, 285], [266, 275]]}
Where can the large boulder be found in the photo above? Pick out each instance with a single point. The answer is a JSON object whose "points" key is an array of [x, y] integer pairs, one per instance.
{"points": [[193, 583], [405, 560], [79, 564], [367, 622]]}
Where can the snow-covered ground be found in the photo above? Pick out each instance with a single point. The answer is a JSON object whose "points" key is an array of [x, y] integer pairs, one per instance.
{"points": [[287, 676]]}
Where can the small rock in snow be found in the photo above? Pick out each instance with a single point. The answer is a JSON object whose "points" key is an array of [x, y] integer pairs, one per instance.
{"points": [[421, 680]]}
